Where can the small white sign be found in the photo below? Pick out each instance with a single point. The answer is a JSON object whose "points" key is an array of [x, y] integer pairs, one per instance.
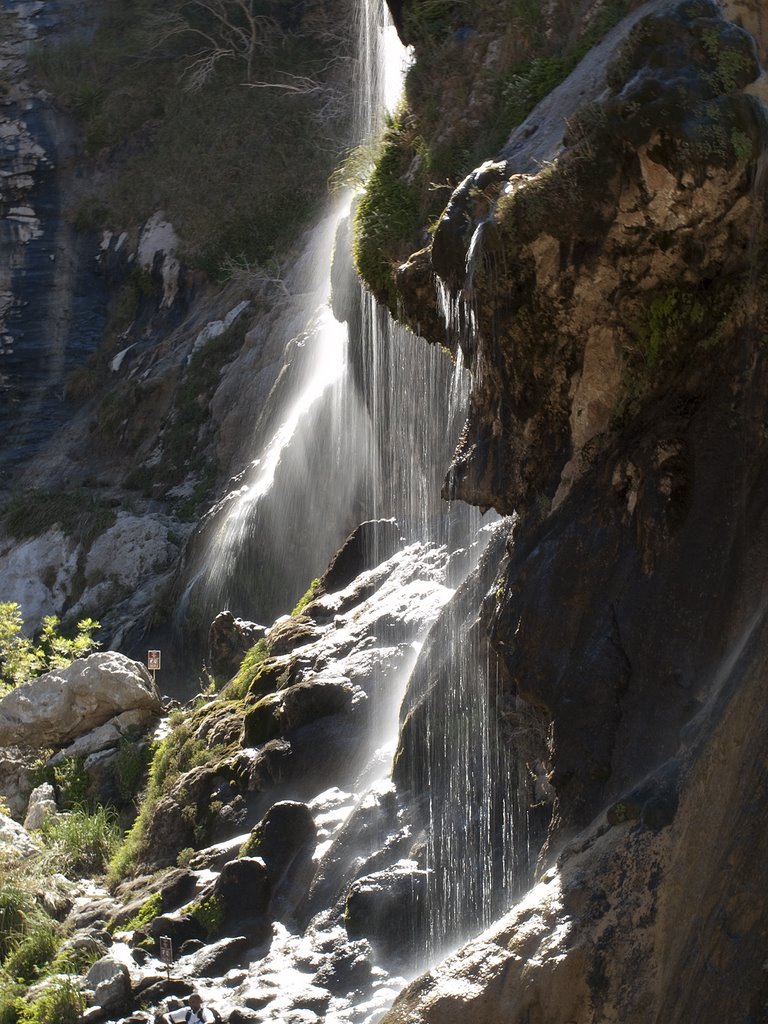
{"points": [[153, 661]]}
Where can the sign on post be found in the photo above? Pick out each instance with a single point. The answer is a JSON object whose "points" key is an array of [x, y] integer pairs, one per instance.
{"points": [[153, 661], [166, 952]]}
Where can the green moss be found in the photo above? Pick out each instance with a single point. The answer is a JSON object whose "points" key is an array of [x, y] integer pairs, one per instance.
{"points": [[742, 145], [307, 597], [149, 910], [386, 219], [671, 317], [249, 671], [209, 915]]}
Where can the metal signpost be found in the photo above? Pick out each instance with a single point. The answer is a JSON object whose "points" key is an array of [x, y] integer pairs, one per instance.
{"points": [[166, 952], [153, 663]]}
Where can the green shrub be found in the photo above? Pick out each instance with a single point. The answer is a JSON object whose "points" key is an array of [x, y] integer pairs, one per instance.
{"points": [[22, 658], [80, 844], [33, 952], [61, 1003], [79, 514], [201, 156], [131, 766]]}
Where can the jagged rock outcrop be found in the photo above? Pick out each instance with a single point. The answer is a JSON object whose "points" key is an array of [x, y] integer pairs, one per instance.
{"points": [[611, 320]]}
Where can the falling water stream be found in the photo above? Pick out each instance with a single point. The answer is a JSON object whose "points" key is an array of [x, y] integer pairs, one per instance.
{"points": [[363, 427]]}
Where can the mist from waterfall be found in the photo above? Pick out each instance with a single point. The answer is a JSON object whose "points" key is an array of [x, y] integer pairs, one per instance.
{"points": [[361, 425]]}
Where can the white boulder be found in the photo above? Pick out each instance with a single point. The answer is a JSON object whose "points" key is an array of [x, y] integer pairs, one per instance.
{"points": [[56, 708], [105, 736], [42, 806], [15, 841]]}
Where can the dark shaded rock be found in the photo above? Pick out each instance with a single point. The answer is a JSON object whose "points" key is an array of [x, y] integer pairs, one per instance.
{"points": [[293, 632], [229, 639], [191, 946], [286, 829], [216, 959], [86, 942], [296, 706], [285, 839], [96, 915], [165, 988], [176, 887], [469, 204], [172, 828], [179, 927], [388, 908], [242, 1015], [369, 545], [397, 9], [242, 892], [358, 840]]}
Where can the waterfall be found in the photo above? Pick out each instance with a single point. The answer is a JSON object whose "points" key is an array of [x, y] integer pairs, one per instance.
{"points": [[361, 425]]}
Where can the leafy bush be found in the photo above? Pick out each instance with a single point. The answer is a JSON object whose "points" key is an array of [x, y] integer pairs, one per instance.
{"points": [[61, 1003], [33, 953], [22, 658]]}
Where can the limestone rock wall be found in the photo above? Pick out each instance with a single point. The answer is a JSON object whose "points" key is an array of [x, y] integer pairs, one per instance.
{"points": [[608, 305]]}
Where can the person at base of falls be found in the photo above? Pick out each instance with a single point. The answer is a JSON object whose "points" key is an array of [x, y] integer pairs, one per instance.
{"points": [[194, 1013]]}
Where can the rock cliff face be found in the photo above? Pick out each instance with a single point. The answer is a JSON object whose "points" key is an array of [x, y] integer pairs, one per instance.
{"points": [[610, 309], [586, 715]]}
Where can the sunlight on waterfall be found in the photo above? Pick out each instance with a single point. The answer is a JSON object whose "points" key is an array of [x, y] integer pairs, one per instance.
{"points": [[360, 426]]}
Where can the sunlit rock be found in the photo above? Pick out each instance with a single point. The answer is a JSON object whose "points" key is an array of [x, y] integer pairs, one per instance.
{"points": [[42, 806], [15, 840], [57, 707]]}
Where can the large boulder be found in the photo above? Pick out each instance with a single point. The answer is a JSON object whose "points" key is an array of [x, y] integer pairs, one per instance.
{"points": [[42, 806], [388, 908], [15, 840], [57, 707], [110, 982], [229, 639]]}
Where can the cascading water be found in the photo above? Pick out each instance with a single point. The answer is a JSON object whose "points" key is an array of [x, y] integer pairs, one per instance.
{"points": [[365, 430]]}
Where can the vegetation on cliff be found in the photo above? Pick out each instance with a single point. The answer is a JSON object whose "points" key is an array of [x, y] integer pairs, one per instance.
{"points": [[467, 88], [190, 108]]}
